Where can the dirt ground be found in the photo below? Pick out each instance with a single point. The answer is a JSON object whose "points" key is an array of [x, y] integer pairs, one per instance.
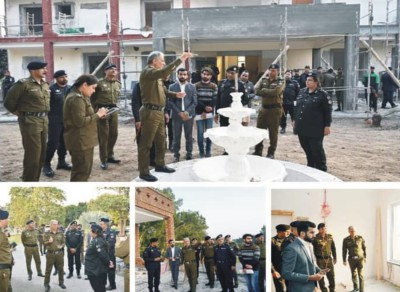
{"points": [[355, 152]]}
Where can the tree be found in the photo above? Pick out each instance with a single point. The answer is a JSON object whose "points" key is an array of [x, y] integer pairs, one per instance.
{"points": [[114, 201], [40, 204], [92, 216], [72, 212]]}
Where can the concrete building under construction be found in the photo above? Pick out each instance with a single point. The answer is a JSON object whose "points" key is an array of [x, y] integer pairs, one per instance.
{"points": [[78, 35]]}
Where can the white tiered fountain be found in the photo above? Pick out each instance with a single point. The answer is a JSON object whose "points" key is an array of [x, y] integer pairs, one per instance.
{"points": [[237, 140]]}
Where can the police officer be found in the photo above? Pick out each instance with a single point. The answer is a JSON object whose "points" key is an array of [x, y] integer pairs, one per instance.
{"points": [[96, 260], [74, 243], [389, 87], [122, 251], [225, 261], [235, 249], [7, 82], [224, 97], [111, 239], [29, 238], [325, 252], [152, 117], [207, 258], [56, 128], [354, 246], [197, 246], [80, 126], [313, 117], [261, 275], [42, 247], [54, 241], [5, 253], [188, 259], [269, 116], [152, 261], [289, 96], [106, 95], [277, 247], [339, 89], [29, 99]]}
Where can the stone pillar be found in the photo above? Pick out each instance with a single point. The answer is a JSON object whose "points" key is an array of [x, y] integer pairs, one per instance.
{"points": [[114, 31], [169, 228], [49, 58], [47, 33], [137, 243], [351, 49]]}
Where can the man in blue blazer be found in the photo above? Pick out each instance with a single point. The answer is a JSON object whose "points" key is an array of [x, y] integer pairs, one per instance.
{"points": [[183, 112], [299, 266], [173, 254]]}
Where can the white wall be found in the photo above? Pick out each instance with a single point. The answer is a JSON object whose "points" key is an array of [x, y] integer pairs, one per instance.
{"points": [[348, 207], [130, 14]]}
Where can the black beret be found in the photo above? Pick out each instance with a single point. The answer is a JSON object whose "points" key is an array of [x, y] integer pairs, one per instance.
{"points": [[294, 224], [110, 66], [36, 65], [3, 215], [306, 67], [312, 74], [228, 235], [96, 229], [73, 222], [92, 223], [105, 220], [232, 68], [321, 225], [153, 239], [43, 225], [246, 235], [219, 236], [340, 69], [59, 73], [207, 69], [282, 227], [296, 70], [372, 67], [207, 237], [193, 239], [29, 222], [258, 235], [273, 66]]}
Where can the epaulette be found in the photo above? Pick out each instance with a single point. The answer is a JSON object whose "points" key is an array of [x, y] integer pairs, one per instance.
{"points": [[23, 80]]}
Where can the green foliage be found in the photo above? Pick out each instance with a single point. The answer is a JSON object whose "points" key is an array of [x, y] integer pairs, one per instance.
{"points": [[72, 212], [41, 204], [91, 216]]}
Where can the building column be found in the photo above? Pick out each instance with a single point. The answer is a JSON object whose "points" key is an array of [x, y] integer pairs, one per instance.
{"points": [[47, 33], [137, 244], [115, 32], [169, 228], [316, 58], [351, 49]]}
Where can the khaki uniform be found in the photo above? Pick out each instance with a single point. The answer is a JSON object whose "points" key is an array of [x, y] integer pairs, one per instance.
{"points": [[32, 101], [207, 255], [277, 247], [29, 239], [122, 251], [106, 95], [80, 134], [54, 255], [324, 250], [42, 248], [5, 262], [270, 113], [154, 97], [357, 254], [261, 274], [188, 258]]}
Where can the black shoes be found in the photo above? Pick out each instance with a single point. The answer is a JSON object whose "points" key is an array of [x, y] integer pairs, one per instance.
{"points": [[55, 273], [29, 277], [62, 286], [165, 169], [113, 160], [78, 276], [63, 165], [176, 159], [109, 288], [270, 156], [104, 165], [48, 171], [337, 110], [148, 177], [40, 275], [256, 153], [69, 276], [47, 287], [283, 131], [189, 156], [236, 285]]}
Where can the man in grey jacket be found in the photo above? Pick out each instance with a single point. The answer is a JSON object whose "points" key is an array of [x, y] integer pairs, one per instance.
{"points": [[173, 255]]}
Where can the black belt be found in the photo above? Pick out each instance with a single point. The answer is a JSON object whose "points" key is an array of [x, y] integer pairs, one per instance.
{"points": [[154, 107], [356, 257], [56, 251], [110, 105], [5, 266], [188, 262], [31, 245], [35, 114], [271, 106]]}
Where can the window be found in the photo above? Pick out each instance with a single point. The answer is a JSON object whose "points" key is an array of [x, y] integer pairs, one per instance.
{"points": [[31, 19], [395, 233], [150, 7], [64, 8]]}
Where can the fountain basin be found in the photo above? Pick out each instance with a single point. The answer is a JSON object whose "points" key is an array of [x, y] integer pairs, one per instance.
{"points": [[236, 139]]}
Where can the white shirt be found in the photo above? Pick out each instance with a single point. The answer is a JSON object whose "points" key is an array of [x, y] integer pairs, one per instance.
{"points": [[183, 90], [173, 253]]}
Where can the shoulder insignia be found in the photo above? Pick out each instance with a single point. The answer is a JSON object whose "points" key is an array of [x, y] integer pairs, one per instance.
{"points": [[23, 80]]}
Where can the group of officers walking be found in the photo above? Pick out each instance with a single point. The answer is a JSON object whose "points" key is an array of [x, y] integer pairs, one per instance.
{"points": [[99, 258], [219, 257], [290, 272]]}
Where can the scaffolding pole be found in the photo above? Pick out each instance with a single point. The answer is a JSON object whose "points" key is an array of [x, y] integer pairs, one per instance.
{"points": [[370, 19]]}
